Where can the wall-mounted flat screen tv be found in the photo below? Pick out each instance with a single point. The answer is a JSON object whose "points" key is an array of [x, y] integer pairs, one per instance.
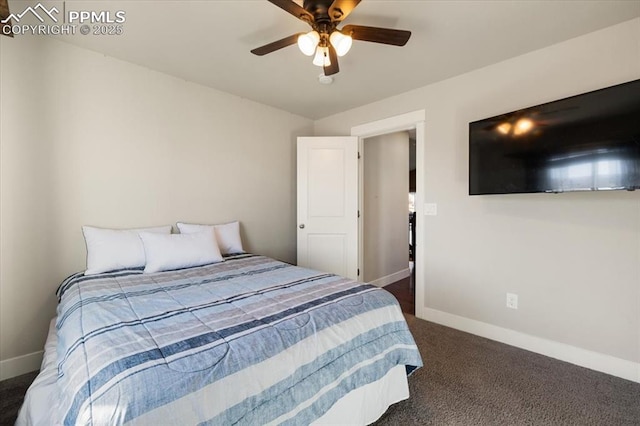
{"points": [[588, 142]]}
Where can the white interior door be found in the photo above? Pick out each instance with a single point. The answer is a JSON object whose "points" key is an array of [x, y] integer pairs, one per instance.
{"points": [[328, 204]]}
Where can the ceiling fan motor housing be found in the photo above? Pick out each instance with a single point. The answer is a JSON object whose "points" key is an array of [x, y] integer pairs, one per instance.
{"points": [[320, 10]]}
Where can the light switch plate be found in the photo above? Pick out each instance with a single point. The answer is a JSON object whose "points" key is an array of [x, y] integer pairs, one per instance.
{"points": [[512, 301], [430, 209]]}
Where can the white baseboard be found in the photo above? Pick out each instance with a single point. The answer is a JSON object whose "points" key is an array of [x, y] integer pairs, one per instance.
{"points": [[13, 367], [392, 278], [585, 358]]}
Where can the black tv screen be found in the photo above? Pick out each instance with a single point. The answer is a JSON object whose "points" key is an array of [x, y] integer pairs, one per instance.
{"points": [[588, 142]]}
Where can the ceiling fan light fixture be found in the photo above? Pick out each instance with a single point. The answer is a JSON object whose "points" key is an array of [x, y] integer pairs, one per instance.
{"points": [[308, 42], [325, 40], [322, 57], [342, 43]]}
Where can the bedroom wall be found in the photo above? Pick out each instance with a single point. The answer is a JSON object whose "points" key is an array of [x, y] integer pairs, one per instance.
{"points": [[385, 214], [87, 139], [573, 259]]}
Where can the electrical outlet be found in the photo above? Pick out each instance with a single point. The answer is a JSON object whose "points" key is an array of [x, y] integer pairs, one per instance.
{"points": [[512, 301]]}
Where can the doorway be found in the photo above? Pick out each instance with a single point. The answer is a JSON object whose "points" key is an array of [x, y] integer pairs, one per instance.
{"points": [[387, 215], [408, 288]]}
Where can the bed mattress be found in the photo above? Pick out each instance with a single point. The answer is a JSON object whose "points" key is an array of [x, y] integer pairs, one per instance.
{"points": [[247, 341]]}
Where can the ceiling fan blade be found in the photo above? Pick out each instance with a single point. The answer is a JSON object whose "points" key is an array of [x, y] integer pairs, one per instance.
{"points": [[276, 45], [294, 9], [333, 68], [4, 14], [340, 9], [377, 35]]}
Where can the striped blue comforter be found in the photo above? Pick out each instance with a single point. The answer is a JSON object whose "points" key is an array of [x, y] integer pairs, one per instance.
{"points": [[247, 341]]}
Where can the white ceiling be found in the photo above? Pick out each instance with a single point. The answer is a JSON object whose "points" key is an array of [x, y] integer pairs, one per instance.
{"points": [[208, 42]]}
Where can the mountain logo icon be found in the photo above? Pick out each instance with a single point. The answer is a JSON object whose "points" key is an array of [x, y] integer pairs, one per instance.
{"points": [[34, 11]]}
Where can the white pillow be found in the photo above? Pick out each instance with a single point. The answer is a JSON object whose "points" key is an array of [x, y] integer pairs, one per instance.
{"points": [[227, 235], [176, 251], [111, 249]]}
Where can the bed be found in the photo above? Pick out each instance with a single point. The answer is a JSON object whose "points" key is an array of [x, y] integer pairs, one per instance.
{"points": [[250, 340]]}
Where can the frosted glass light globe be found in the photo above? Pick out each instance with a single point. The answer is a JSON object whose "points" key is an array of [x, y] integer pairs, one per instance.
{"points": [[308, 42]]}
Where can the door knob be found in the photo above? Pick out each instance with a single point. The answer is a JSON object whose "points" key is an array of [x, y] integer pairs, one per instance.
{"points": [[301, 226]]}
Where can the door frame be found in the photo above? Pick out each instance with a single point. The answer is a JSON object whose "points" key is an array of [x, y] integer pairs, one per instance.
{"points": [[411, 120]]}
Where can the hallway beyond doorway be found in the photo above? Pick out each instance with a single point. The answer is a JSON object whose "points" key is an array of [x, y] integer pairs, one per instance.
{"points": [[404, 291]]}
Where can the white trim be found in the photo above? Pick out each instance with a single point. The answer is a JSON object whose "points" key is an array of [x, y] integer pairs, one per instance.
{"points": [[13, 367], [408, 121], [391, 278], [608, 364], [389, 125], [361, 212], [418, 256]]}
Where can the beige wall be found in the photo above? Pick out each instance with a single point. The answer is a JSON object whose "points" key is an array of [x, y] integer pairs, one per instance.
{"points": [[573, 259], [386, 213], [87, 139]]}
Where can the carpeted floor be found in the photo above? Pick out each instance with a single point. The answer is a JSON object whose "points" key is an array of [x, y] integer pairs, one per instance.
{"points": [[11, 395], [468, 380]]}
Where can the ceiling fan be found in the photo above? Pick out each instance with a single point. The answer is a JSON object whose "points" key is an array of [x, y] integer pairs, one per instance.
{"points": [[325, 40], [4, 14]]}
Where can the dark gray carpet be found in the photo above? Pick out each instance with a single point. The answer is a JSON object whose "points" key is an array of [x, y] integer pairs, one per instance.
{"points": [[468, 380], [11, 394]]}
